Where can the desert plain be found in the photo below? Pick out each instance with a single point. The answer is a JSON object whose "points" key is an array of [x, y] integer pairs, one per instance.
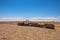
{"points": [[11, 31]]}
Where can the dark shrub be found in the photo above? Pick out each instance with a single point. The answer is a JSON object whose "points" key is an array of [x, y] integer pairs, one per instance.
{"points": [[49, 26]]}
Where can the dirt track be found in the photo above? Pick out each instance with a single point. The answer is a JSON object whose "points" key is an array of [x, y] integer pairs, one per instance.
{"points": [[14, 32]]}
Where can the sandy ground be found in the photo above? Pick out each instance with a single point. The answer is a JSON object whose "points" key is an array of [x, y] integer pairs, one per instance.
{"points": [[14, 32]]}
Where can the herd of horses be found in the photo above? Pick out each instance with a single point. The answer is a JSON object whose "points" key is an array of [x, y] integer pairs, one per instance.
{"points": [[48, 26]]}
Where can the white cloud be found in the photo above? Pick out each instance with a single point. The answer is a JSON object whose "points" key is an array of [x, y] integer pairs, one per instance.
{"points": [[57, 19], [11, 19]]}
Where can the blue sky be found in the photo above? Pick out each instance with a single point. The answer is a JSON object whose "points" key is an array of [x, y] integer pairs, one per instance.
{"points": [[29, 8]]}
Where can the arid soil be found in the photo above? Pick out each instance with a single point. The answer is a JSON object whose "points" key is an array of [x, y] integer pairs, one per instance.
{"points": [[15, 32]]}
